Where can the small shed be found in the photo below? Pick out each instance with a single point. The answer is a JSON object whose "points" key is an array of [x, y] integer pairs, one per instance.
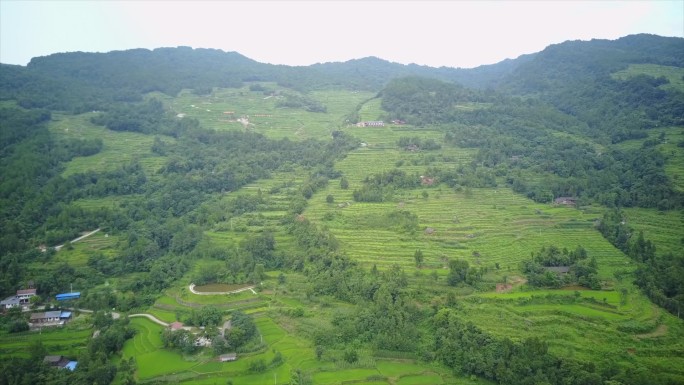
{"points": [[68, 296], [568, 201], [58, 361], [228, 357]]}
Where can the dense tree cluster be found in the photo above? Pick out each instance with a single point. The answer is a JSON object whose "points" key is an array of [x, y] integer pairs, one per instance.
{"points": [[581, 270]]}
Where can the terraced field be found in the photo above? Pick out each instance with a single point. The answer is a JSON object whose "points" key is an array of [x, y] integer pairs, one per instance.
{"points": [[68, 341], [664, 228], [499, 225], [119, 148], [619, 329], [100, 243], [255, 111]]}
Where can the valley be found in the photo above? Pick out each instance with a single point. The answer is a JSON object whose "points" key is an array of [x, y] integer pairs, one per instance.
{"points": [[345, 245]]}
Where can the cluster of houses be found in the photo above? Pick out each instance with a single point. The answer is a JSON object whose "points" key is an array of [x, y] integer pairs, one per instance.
{"points": [[21, 299], [204, 341]]}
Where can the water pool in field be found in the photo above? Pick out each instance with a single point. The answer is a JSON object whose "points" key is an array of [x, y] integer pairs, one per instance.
{"points": [[219, 287]]}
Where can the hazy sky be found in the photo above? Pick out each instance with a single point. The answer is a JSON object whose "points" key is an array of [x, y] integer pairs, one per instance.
{"points": [[435, 33]]}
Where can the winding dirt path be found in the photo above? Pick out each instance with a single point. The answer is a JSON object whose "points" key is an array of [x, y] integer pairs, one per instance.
{"points": [[79, 238]]}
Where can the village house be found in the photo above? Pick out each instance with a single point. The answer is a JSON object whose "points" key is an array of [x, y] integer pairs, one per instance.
{"points": [[50, 318], [228, 357], [9, 303], [503, 287], [25, 295], [60, 362], [371, 123], [176, 325], [568, 201], [426, 180], [21, 298]]}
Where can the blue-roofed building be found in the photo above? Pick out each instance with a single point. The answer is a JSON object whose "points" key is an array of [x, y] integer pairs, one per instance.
{"points": [[71, 365], [65, 315], [68, 296]]}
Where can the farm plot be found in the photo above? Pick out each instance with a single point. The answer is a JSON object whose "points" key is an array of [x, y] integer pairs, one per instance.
{"points": [[146, 347], [664, 228], [484, 226], [68, 341], [119, 148], [100, 243], [589, 328], [255, 111]]}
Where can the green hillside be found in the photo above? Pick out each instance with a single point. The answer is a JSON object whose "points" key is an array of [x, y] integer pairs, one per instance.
{"points": [[523, 227]]}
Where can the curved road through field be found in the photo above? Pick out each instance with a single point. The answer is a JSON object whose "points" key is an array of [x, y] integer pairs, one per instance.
{"points": [[116, 315], [193, 291], [150, 317]]}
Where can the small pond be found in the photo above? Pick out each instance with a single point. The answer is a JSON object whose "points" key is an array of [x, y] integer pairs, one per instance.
{"points": [[220, 287]]}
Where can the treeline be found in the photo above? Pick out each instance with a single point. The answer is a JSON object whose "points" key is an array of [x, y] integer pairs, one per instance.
{"points": [[661, 277]]}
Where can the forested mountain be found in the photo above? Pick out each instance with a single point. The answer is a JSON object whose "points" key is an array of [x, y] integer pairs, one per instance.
{"points": [[206, 167]]}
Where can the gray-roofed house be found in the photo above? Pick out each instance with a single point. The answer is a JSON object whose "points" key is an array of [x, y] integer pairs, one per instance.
{"points": [[10, 302], [228, 357], [25, 295], [47, 317]]}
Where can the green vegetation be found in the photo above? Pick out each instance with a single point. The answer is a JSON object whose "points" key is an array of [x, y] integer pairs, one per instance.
{"points": [[429, 250]]}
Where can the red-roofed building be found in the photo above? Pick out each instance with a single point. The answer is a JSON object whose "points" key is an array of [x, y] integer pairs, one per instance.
{"points": [[176, 325], [24, 295]]}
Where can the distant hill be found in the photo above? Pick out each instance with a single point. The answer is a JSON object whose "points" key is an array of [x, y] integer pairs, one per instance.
{"points": [[80, 81]]}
